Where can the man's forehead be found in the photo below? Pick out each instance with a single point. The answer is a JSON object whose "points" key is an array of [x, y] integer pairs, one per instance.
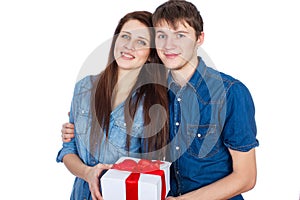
{"points": [[178, 25]]}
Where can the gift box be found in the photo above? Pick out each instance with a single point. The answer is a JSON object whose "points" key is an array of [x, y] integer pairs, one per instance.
{"points": [[136, 179]]}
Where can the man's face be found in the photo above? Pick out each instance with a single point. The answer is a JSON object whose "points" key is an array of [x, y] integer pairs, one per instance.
{"points": [[177, 48]]}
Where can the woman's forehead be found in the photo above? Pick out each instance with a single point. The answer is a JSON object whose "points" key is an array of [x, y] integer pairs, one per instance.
{"points": [[136, 27]]}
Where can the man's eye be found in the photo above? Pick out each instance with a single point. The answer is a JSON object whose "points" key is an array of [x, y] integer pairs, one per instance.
{"points": [[179, 35], [161, 36]]}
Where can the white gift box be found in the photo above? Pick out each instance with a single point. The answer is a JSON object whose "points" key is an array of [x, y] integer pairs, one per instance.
{"points": [[149, 185]]}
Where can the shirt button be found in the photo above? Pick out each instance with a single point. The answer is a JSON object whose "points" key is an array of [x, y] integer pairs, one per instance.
{"points": [[177, 148], [177, 172], [124, 124], [178, 99], [177, 123], [82, 111], [199, 135]]}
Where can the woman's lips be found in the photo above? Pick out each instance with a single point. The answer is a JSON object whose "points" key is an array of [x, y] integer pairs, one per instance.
{"points": [[127, 56]]}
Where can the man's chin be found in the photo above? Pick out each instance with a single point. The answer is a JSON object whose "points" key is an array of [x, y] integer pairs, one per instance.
{"points": [[173, 67]]}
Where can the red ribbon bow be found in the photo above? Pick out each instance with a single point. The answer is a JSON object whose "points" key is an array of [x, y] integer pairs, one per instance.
{"points": [[142, 166]]}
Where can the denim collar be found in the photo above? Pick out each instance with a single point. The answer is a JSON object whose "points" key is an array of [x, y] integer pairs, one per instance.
{"points": [[196, 78]]}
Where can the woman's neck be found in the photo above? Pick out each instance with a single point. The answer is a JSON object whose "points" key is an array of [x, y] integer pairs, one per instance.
{"points": [[126, 81]]}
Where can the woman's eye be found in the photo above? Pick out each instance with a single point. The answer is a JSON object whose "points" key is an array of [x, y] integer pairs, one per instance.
{"points": [[141, 42], [125, 36]]}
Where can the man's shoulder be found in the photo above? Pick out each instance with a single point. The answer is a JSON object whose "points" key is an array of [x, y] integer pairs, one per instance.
{"points": [[231, 85], [219, 75]]}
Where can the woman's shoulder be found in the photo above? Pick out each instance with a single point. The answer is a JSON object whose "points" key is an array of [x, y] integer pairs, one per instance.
{"points": [[85, 84]]}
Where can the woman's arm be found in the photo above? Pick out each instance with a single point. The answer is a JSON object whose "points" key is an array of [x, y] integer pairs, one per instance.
{"points": [[87, 173]]}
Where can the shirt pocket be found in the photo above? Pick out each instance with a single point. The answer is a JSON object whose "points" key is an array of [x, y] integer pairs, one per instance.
{"points": [[202, 140], [82, 121], [117, 136]]}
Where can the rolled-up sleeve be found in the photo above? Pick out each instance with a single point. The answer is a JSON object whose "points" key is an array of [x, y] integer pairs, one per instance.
{"points": [[68, 148]]}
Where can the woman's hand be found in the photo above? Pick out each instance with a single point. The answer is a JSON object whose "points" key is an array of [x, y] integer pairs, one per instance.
{"points": [[67, 132], [93, 178]]}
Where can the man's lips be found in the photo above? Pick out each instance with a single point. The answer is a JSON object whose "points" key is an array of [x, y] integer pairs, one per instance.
{"points": [[171, 55]]}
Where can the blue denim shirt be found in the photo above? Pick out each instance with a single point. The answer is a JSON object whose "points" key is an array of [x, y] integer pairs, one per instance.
{"points": [[211, 113], [111, 149]]}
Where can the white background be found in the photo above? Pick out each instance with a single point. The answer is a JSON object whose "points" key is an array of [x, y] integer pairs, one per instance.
{"points": [[43, 45]]}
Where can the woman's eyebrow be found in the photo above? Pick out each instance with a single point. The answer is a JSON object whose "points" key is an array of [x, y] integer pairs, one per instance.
{"points": [[141, 37]]}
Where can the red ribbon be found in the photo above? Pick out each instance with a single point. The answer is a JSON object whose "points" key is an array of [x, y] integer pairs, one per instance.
{"points": [[145, 167], [132, 186]]}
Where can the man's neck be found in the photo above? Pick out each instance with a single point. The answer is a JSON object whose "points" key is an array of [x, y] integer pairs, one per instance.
{"points": [[184, 74]]}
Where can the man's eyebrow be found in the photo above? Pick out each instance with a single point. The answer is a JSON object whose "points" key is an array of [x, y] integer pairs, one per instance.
{"points": [[160, 31], [178, 31]]}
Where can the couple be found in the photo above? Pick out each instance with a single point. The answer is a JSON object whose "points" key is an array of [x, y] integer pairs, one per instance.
{"points": [[198, 118]]}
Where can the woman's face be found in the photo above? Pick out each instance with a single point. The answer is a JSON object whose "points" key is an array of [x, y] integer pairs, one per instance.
{"points": [[132, 46]]}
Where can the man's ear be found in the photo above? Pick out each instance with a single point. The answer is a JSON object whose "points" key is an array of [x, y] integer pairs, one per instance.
{"points": [[200, 39]]}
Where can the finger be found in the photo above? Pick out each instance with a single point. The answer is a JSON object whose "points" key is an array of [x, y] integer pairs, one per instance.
{"points": [[69, 135], [108, 166], [66, 135], [66, 131], [69, 130], [94, 197], [98, 195], [66, 139], [68, 125], [95, 191], [64, 125], [105, 166]]}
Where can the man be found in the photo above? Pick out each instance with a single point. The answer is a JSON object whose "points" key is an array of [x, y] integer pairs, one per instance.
{"points": [[212, 124]]}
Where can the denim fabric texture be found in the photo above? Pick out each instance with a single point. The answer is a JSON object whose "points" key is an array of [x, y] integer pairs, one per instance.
{"points": [[211, 113], [111, 148]]}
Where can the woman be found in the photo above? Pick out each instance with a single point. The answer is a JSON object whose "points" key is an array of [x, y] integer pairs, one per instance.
{"points": [[113, 112]]}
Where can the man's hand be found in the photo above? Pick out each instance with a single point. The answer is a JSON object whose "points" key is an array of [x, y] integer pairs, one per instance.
{"points": [[67, 132]]}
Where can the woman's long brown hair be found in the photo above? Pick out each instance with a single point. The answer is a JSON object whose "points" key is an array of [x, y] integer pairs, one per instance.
{"points": [[150, 89]]}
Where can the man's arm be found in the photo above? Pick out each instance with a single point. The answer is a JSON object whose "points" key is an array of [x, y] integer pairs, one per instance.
{"points": [[242, 179]]}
